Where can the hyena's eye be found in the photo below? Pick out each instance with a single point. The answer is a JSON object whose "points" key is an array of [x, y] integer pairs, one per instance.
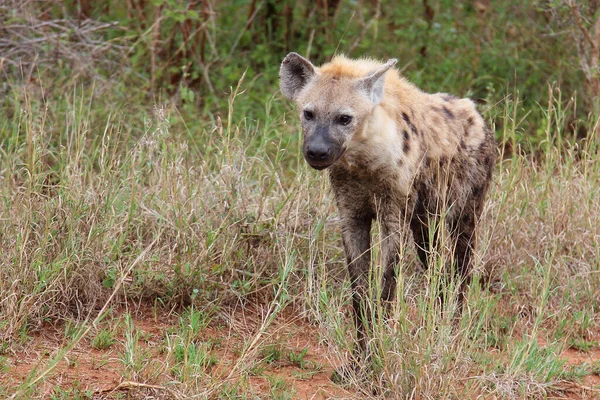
{"points": [[344, 119], [308, 115]]}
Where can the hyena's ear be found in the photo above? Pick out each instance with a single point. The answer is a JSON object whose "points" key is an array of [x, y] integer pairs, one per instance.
{"points": [[373, 83], [294, 74]]}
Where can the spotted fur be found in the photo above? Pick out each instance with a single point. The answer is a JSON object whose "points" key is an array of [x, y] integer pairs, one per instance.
{"points": [[405, 157]]}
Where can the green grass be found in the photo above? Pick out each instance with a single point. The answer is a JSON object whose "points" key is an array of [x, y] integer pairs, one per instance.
{"points": [[103, 340]]}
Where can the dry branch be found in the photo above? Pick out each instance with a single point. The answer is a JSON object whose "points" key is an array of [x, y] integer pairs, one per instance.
{"points": [[589, 53], [26, 45]]}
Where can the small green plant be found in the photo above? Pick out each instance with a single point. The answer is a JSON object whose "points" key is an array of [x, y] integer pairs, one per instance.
{"points": [[103, 340], [74, 393], [582, 344], [192, 321], [279, 388], [133, 357], [194, 360], [271, 354], [298, 359]]}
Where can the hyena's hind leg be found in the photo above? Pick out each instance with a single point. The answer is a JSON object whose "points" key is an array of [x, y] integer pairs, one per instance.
{"points": [[426, 230], [424, 233], [395, 223]]}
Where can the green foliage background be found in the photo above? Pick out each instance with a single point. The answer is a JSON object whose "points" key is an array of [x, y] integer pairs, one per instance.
{"points": [[193, 52]]}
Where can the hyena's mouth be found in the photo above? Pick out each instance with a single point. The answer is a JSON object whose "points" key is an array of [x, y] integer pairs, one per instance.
{"points": [[323, 160], [319, 167]]}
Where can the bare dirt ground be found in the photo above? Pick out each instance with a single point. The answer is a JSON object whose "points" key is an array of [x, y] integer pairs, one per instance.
{"points": [[102, 372], [589, 387]]}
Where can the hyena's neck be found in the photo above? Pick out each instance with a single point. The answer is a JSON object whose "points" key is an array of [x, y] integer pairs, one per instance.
{"points": [[383, 152]]}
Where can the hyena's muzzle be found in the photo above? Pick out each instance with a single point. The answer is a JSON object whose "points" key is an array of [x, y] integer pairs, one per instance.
{"points": [[320, 149]]}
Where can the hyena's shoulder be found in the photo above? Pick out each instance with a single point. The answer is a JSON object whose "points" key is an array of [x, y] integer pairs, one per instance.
{"points": [[447, 124]]}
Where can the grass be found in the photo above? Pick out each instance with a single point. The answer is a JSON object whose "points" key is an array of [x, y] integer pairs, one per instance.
{"points": [[219, 230], [235, 221], [103, 340]]}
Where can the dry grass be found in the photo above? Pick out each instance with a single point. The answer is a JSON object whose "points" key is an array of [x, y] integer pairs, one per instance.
{"points": [[96, 216]]}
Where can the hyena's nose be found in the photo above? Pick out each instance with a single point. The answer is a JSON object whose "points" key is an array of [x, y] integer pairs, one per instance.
{"points": [[321, 151], [318, 153]]}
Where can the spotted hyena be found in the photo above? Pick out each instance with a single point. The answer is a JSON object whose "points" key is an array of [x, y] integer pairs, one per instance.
{"points": [[396, 155]]}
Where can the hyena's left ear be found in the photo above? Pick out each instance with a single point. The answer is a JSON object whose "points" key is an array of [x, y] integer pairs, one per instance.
{"points": [[373, 83], [294, 74]]}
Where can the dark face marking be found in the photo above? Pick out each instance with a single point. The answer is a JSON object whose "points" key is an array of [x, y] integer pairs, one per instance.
{"points": [[321, 150], [469, 121], [406, 136], [406, 145], [449, 114], [463, 145]]}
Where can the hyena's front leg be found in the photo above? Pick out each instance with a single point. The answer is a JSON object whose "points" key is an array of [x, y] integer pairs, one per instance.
{"points": [[391, 241], [356, 236]]}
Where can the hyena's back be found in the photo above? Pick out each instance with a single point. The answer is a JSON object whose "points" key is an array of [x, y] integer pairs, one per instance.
{"points": [[457, 159]]}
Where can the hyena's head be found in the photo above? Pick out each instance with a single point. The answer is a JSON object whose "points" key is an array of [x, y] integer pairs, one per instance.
{"points": [[333, 103]]}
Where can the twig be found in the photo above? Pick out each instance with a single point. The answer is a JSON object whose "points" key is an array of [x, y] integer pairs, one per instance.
{"points": [[126, 385], [367, 26], [583, 29], [582, 387], [246, 26]]}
